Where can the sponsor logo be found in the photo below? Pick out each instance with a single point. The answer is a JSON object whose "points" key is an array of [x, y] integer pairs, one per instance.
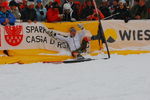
{"points": [[13, 35], [134, 35], [41, 38], [126, 35], [110, 35]]}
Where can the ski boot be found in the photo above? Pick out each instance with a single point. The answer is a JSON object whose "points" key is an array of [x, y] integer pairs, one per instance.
{"points": [[79, 56]]}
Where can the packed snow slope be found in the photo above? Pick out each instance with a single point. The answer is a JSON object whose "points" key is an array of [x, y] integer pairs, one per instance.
{"points": [[118, 78]]}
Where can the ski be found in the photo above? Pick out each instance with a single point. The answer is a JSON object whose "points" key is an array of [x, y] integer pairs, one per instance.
{"points": [[78, 60]]}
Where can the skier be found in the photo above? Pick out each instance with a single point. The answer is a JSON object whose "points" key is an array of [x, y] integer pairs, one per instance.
{"points": [[74, 39]]}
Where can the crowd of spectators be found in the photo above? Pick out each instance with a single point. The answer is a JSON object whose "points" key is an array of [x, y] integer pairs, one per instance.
{"points": [[71, 10]]}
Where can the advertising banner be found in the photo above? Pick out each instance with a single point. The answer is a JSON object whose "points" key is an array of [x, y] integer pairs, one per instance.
{"points": [[39, 35], [29, 36], [134, 35]]}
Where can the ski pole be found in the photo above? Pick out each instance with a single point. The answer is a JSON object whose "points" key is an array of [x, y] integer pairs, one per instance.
{"points": [[110, 16], [101, 32], [102, 19]]}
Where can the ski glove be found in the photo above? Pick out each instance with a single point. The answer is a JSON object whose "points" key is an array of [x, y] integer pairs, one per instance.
{"points": [[54, 34]]}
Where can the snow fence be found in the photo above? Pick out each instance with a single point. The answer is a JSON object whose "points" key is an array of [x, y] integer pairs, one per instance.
{"points": [[34, 42]]}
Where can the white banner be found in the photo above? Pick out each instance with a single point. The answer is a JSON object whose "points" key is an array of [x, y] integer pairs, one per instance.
{"points": [[30, 36], [134, 35]]}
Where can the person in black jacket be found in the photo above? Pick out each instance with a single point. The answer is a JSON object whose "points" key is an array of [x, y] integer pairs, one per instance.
{"points": [[140, 11], [28, 14], [67, 12], [77, 11], [88, 10], [104, 8], [123, 12]]}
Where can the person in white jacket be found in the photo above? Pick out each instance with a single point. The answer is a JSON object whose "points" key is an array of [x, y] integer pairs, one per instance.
{"points": [[74, 41]]}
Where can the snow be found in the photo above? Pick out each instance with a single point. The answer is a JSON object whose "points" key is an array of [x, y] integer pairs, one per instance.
{"points": [[118, 78]]}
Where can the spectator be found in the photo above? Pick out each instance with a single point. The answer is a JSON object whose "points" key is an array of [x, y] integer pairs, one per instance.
{"points": [[53, 13], [87, 10], [134, 7], [105, 9], [123, 12], [77, 11], [71, 2], [58, 1], [140, 10], [67, 11], [20, 6], [24, 3], [28, 14], [114, 6], [48, 5], [96, 15], [40, 11], [14, 9], [6, 17]]}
